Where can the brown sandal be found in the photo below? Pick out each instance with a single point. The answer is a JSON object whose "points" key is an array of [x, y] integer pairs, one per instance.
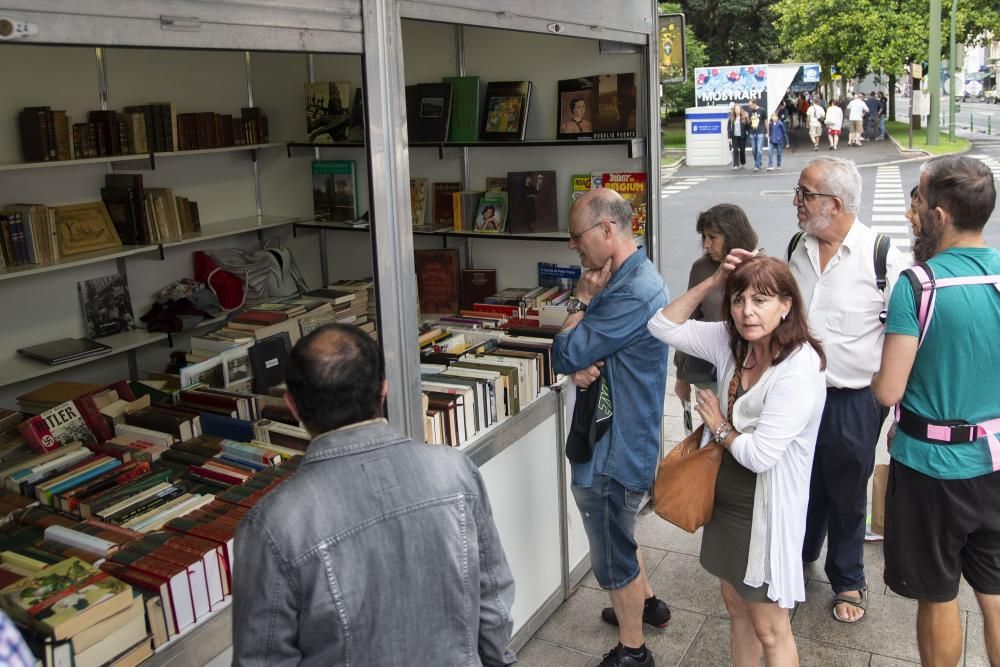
{"points": [[861, 603]]}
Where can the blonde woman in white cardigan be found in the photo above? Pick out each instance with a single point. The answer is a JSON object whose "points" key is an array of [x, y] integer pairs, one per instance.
{"points": [[754, 541]]}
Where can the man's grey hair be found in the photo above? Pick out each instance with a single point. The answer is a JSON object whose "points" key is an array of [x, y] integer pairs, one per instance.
{"points": [[841, 178], [615, 209]]}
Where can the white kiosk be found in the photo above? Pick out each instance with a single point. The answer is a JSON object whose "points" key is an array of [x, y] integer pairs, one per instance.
{"points": [[707, 136]]}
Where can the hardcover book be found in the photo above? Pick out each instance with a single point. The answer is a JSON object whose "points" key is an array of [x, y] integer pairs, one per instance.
{"points": [[419, 201], [579, 185], [576, 108], [491, 216], [83, 228], [477, 284], [335, 190], [268, 361], [107, 307], [615, 113], [428, 110], [437, 280], [444, 209], [66, 598], [505, 111], [631, 186], [496, 184], [63, 350], [328, 112], [532, 202], [464, 108]]}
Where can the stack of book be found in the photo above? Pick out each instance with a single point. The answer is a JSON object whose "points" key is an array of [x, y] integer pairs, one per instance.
{"points": [[364, 303], [27, 235], [77, 614]]}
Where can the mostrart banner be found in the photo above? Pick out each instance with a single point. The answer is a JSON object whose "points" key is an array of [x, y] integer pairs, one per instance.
{"points": [[737, 83]]}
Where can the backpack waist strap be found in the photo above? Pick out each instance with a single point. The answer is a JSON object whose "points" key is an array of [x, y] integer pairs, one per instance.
{"points": [[950, 432]]}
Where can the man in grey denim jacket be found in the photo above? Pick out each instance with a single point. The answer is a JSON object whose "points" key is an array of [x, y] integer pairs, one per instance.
{"points": [[606, 333], [378, 550]]}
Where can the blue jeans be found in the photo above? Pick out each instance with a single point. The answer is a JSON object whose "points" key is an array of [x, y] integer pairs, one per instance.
{"points": [[757, 144], [775, 152], [608, 510], [881, 126]]}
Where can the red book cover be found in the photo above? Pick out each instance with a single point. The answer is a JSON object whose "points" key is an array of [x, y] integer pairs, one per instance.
{"points": [[56, 427], [631, 185], [97, 422], [477, 284], [261, 317], [501, 309], [216, 475], [437, 281]]}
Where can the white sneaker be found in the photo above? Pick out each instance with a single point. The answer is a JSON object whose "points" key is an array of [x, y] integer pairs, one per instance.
{"points": [[869, 535], [770, 168]]}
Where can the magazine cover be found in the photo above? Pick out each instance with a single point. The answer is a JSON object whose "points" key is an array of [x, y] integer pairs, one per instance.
{"points": [[505, 110], [335, 190], [631, 186], [107, 307], [576, 108]]}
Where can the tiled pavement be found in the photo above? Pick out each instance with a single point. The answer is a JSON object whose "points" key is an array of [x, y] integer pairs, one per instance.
{"points": [[698, 634]]}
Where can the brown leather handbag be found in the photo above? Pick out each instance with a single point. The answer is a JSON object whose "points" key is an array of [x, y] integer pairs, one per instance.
{"points": [[684, 490]]}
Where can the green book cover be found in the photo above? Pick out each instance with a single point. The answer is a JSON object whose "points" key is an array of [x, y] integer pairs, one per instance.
{"points": [[464, 108], [335, 190]]}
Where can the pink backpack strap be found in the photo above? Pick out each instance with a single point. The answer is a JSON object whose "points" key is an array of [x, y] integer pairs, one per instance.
{"points": [[923, 276]]}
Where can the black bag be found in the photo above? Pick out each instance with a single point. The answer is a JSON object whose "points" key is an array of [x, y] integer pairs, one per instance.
{"points": [[591, 420]]}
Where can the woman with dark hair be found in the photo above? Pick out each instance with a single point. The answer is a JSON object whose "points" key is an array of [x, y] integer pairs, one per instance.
{"points": [[722, 228], [771, 372], [738, 128]]}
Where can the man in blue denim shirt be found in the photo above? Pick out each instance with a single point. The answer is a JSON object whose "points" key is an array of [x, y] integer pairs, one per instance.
{"points": [[378, 550], [605, 332]]}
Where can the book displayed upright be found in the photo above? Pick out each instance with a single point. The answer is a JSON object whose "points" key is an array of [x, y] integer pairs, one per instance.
{"points": [[575, 117], [335, 190], [420, 202], [632, 187], [107, 306], [328, 111], [444, 209], [615, 112], [505, 110], [437, 280], [428, 111], [491, 216], [532, 202], [464, 123], [477, 284]]}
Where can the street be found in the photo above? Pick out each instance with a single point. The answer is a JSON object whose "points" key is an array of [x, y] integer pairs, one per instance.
{"points": [[766, 196], [972, 119]]}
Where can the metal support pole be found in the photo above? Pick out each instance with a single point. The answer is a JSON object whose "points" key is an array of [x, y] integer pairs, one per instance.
{"points": [[952, 59], [909, 73], [254, 166], [934, 75]]}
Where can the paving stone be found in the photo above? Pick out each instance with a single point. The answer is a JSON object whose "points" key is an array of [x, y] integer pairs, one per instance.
{"points": [[821, 654], [539, 653], [653, 531], [684, 584], [975, 644], [889, 629], [577, 625], [883, 661], [710, 647]]}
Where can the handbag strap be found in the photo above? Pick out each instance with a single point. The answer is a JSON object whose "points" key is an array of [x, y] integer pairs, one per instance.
{"points": [[733, 388]]}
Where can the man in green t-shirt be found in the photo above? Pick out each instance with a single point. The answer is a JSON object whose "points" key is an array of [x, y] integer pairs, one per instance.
{"points": [[943, 497]]}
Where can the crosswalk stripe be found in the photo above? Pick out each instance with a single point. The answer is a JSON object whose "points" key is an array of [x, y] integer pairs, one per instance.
{"points": [[888, 209], [879, 217], [891, 229]]}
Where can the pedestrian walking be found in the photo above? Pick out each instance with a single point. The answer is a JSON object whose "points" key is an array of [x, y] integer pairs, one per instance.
{"points": [[777, 135]]}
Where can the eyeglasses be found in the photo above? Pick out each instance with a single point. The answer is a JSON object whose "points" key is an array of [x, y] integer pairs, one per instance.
{"points": [[801, 194], [575, 238]]}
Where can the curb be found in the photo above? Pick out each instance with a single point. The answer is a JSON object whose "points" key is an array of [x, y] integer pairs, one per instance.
{"points": [[673, 165], [922, 153]]}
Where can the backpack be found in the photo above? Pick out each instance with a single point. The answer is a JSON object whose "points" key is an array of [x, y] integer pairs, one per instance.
{"points": [[880, 255], [267, 273], [925, 287]]}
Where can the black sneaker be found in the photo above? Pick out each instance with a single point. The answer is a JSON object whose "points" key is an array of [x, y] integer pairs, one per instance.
{"points": [[619, 657], [655, 612]]}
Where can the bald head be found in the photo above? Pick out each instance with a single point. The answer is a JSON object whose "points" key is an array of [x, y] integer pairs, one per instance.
{"points": [[605, 204], [335, 377]]}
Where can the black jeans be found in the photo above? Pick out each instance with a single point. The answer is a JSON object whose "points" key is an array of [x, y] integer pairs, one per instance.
{"points": [[838, 489], [739, 150]]}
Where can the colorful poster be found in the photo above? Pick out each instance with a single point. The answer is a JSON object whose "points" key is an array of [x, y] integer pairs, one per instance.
{"points": [[738, 83]]}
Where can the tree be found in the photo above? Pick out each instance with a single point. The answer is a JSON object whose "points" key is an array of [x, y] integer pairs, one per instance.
{"points": [[736, 32], [677, 96]]}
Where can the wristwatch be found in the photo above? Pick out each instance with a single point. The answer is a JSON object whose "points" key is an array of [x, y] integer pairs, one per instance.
{"points": [[574, 305]]}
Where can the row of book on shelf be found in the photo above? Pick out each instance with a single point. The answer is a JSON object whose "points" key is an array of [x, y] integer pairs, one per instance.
{"points": [[50, 134], [127, 214], [522, 202], [484, 363]]}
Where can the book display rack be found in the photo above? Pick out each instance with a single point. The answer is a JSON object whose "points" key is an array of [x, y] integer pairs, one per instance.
{"points": [[214, 61]]}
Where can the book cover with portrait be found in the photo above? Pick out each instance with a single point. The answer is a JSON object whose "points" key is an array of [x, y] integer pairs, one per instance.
{"points": [[575, 117]]}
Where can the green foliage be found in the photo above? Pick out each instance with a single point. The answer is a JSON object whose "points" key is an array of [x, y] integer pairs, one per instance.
{"points": [[677, 96], [736, 32]]}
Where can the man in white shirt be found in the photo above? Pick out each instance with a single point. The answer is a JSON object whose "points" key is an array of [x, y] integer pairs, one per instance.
{"points": [[834, 266], [856, 112], [834, 121]]}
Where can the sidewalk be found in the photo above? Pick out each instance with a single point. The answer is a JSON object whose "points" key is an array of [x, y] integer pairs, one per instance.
{"points": [[698, 634], [869, 154]]}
